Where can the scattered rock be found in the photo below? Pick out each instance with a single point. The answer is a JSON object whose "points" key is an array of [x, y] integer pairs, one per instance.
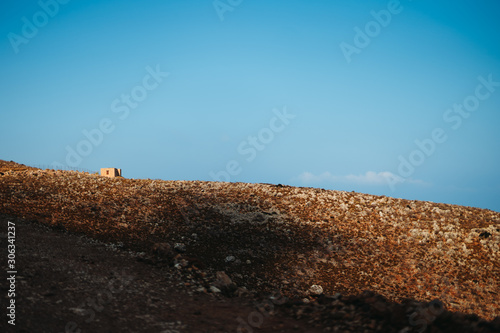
{"points": [[241, 291], [340, 241], [315, 290], [78, 311], [222, 280], [163, 250], [214, 289], [183, 262], [180, 247]]}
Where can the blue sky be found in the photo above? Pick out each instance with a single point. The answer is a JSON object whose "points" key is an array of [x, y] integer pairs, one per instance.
{"points": [[397, 98]]}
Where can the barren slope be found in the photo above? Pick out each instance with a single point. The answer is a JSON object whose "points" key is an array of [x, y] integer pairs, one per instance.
{"points": [[273, 237]]}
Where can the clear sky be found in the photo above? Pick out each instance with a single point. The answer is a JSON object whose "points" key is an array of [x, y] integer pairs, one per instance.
{"points": [[398, 98]]}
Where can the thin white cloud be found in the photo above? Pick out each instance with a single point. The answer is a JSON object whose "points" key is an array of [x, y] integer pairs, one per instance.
{"points": [[369, 178]]}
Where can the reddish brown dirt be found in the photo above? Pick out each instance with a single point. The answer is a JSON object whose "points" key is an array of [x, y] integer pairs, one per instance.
{"points": [[68, 282], [177, 241]]}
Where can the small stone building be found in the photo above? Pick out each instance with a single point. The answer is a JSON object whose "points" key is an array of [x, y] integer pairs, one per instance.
{"points": [[111, 172]]}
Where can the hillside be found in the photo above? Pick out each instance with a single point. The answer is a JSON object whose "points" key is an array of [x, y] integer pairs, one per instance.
{"points": [[250, 240]]}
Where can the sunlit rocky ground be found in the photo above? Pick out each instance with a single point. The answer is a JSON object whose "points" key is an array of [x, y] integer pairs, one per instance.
{"points": [[242, 239]]}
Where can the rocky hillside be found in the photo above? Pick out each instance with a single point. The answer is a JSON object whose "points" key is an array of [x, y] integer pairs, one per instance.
{"points": [[238, 238]]}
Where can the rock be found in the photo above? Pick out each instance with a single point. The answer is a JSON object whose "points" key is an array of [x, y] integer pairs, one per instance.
{"points": [[214, 289], [315, 290], [163, 250], [78, 311], [180, 247], [183, 262], [230, 258], [241, 291], [222, 280]]}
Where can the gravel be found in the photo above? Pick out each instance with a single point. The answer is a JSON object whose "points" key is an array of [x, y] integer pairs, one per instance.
{"points": [[305, 243]]}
